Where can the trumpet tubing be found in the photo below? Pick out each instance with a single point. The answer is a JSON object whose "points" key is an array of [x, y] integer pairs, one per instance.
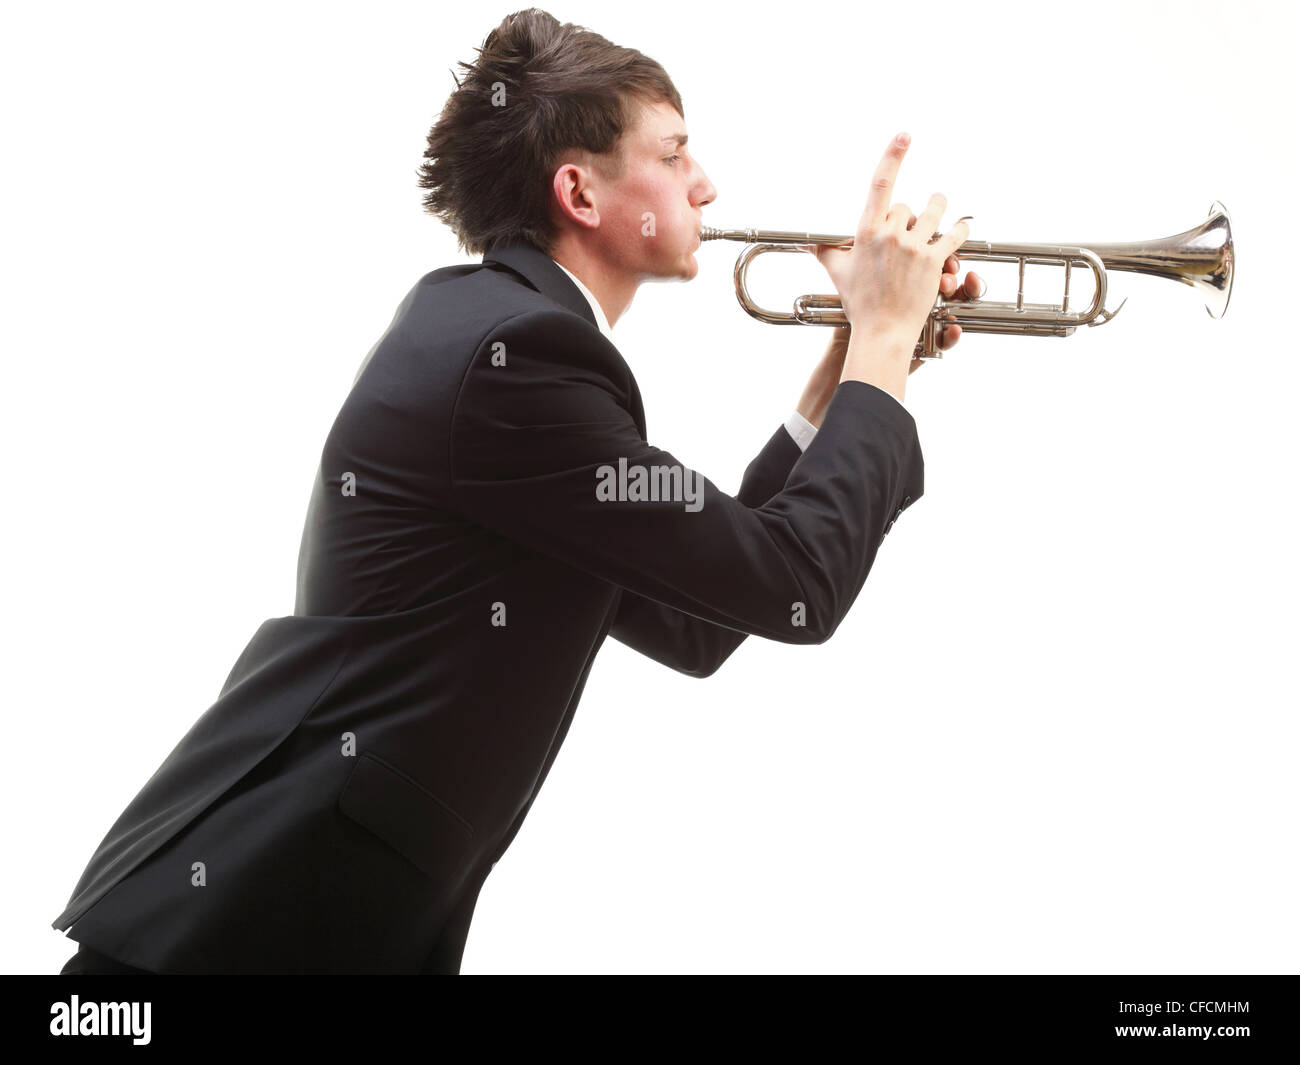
{"points": [[1201, 257]]}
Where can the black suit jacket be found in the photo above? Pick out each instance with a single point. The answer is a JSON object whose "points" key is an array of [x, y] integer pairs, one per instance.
{"points": [[373, 754]]}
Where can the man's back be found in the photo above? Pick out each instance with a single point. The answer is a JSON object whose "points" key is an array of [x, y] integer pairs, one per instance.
{"points": [[411, 660]]}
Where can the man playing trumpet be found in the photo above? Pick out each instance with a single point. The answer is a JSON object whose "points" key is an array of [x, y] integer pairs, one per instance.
{"points": [[373, 755]]}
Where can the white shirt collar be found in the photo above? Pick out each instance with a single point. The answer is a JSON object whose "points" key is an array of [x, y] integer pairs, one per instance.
{"points": [[601, 321]]}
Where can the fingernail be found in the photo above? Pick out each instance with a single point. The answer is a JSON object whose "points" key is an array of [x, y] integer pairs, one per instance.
{"points": [[903, 140]]}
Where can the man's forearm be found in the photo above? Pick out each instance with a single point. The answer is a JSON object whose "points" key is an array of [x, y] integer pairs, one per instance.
{"points": [[824, 380]]}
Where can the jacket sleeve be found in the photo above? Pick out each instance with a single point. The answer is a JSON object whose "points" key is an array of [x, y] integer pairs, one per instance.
{"points": [[676, 639], [543, 448]]}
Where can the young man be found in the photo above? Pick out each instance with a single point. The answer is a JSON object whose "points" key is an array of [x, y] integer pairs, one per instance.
{"points": [[487, 510]]}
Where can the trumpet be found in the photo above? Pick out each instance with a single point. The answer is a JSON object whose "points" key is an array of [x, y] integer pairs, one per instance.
{"points": [[1201, 257]]}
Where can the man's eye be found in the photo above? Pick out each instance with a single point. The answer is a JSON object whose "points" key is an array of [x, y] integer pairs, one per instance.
{"points": [[672, 159]]}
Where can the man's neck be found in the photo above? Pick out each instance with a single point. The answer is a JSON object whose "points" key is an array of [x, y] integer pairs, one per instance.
{"points": [[613, 292]]}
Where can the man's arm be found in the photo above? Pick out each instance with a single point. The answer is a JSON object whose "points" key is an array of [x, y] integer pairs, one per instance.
{"points": [[691, 645], [535, 443], [676, 639]]}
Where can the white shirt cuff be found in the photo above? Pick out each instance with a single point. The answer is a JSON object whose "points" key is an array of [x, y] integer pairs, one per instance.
{"points": [[801, 429]]}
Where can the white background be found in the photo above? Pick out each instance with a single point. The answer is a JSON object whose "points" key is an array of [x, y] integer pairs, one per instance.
{"points": [[1057, 732]]}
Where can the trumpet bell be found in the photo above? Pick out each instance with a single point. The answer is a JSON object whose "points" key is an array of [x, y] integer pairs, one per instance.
{"points": [[1202, 257]]}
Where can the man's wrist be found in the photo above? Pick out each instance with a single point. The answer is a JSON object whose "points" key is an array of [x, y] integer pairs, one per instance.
{"points": [[881, 358]]}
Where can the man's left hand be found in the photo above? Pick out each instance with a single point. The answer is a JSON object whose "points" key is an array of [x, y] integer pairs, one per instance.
{"points": [[953, 291]]}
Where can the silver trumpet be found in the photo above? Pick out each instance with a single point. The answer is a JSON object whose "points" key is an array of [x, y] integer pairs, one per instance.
{"points": [[1201, 257]]}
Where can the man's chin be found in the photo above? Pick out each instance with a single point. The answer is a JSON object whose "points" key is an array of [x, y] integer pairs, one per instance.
{"points": [[684, 269]]}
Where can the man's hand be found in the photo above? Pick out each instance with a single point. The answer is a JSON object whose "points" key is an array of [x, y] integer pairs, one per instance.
{"points": [[886, 284], [954, 292]]}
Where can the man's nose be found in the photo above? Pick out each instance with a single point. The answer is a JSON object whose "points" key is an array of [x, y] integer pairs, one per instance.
{"points": [[704, 192]]}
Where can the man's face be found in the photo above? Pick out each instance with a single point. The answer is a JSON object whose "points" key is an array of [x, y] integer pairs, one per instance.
{"points": [[650, 214]]}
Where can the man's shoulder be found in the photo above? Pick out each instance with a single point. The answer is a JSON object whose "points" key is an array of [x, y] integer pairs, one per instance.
{"points": [[468, 301], [456, 312]]}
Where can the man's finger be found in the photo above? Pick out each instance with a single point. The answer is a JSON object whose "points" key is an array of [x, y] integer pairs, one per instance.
{"points": [[958, 235], [882, 182], [828, 251], [970, 289]]}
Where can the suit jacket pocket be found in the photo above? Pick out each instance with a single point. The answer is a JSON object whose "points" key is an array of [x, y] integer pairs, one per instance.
{"points": [[409, 818]]}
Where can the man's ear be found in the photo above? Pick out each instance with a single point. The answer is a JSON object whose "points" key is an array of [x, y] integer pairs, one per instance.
{"points": [[573, 198]]}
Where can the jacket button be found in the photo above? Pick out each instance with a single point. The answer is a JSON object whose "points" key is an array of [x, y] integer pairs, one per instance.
{"points": [[896, 515]]}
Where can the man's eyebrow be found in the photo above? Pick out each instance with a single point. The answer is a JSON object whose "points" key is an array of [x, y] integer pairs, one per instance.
{"points": [[680, 138]]}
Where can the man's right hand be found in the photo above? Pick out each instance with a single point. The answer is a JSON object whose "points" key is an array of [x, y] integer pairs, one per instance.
{"points": [[889, 279]]}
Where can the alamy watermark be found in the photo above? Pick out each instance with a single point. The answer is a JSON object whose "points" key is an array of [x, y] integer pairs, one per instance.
{"points": [[101, 1018], [650, 484]]}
